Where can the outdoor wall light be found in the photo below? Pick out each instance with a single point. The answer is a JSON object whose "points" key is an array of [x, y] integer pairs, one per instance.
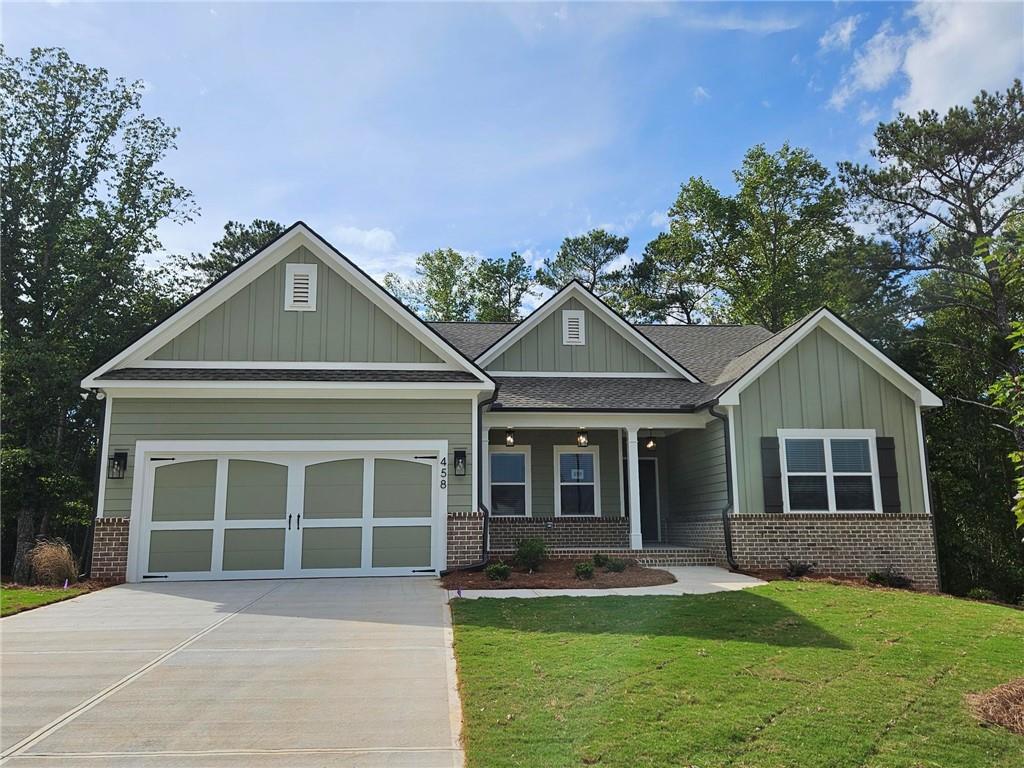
{"points": [[460, 463], [582, 438], [651, 443], [116, 465], [510, 438]]}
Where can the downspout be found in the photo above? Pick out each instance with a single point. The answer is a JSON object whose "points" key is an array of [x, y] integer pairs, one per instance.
{"points": [[480, 494], [727, 509]]}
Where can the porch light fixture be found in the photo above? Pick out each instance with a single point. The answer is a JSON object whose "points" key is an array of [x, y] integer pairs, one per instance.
{"points": [[582, 438], [116, 465], [510, 438], [651, 443]]}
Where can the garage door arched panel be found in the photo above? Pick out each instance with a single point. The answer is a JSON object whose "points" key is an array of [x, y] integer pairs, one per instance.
{"points": [[184, 491], [257, 490], [333, 490]]}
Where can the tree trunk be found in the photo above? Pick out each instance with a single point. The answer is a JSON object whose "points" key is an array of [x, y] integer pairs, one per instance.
{"points": [[22, 571]]}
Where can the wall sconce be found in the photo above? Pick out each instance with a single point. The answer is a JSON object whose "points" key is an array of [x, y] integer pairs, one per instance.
{"points": [[582, 438], [116, 465], [510, 438], [651, 443], [460, 463]]}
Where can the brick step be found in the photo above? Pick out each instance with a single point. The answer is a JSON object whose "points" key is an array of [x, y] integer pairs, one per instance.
{"points": [[651, 557]]}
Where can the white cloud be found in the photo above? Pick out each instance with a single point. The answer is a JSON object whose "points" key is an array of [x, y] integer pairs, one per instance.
{"points": [[868, 113], [701, 94], [874, 66], [959, 49], [734, 21], [375, 240], [840, 35], [658, 219]]}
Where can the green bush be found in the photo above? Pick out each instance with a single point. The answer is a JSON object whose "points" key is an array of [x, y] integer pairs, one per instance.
{"points": [[531, 552], [796, 569], [600, 560], [615, 565], [982, 593], [498, 571], [890, 577], [584, 570]]}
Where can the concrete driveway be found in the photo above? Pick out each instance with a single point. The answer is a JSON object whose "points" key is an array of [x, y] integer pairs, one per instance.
{"points": [[316, 672]]}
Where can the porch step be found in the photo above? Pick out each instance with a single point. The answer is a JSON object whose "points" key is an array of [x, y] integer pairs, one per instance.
{"points": [[651, 557]]}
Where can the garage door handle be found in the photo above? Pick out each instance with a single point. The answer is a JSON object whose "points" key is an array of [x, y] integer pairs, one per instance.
{"points": [[289, 522], [298, 522]]}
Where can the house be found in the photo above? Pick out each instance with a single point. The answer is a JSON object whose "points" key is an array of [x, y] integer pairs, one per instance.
{"points": [[294, 419]]}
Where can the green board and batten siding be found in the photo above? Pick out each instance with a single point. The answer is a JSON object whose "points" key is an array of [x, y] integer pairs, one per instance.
{"points": [[605, 350], [133, 419], [253, 326], [817, 385]]}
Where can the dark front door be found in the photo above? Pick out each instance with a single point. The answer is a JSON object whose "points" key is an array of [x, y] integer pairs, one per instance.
{"points": [[648, 498]]}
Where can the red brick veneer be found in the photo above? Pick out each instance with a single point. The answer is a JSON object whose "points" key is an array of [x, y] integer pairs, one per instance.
{"points": [[110, 549]]}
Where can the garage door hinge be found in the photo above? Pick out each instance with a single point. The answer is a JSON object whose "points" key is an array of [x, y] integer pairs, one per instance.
{"points": [[161, 458], [432, 458], [424, 570], [155, 576]]}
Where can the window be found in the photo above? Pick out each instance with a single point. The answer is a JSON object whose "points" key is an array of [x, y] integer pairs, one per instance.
{"points": [[574, 331], [510, 481], [300, 287], [829, 470], [578, 491]]}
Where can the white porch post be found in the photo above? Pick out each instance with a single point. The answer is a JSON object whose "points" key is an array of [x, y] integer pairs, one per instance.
{"points": [[485, 467], [636, 538]]}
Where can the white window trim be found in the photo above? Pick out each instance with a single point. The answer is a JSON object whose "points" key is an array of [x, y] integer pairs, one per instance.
{"points": [[567, 316], [592, 449], [528, 481], [827, 435], [291, 271]]}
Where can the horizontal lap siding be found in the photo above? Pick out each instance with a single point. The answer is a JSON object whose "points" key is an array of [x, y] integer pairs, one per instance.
{"points": [[135, 419], [698, 488]]}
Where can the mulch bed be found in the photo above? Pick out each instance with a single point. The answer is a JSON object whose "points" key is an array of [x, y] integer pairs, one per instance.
{"points": [[1003, 705], [559, 574]]}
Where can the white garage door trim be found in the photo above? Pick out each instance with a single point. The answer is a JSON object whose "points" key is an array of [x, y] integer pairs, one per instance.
{"points": [[296, 454]]}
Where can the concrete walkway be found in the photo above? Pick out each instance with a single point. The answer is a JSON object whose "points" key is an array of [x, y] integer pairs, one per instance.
{"points": [[693, 580], [316, 672]]}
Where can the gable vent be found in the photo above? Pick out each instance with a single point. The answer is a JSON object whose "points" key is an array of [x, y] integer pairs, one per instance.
{"points": [[300, 288], [574, 331]]}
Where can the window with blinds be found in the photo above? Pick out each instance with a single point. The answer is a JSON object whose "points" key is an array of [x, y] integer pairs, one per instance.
{"points": [[829, 471]]}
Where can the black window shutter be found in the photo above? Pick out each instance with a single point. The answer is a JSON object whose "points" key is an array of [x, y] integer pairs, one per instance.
{"points": [[771, 472], [888, 477]]}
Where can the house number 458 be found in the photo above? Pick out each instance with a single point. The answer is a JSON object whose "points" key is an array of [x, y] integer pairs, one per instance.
{"points": [[444, 472]]}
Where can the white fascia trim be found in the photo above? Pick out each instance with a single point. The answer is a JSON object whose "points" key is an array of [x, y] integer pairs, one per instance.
{"points": [[594, 420], [293, 389], [575, 290], [828, 322], [300, 234], [277, 365], [583, 375], [101, 495]]}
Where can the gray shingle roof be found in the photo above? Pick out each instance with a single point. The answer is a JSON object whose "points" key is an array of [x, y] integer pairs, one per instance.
{"points": [[704, 350], [472, 339], [282, 374], [598, 394]]}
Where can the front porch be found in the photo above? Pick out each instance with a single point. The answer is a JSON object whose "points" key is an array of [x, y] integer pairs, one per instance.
{"points": [[573, 479]]}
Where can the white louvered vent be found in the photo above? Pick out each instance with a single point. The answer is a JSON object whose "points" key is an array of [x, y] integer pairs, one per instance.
{"points": [[300, 288], [574, 331]]}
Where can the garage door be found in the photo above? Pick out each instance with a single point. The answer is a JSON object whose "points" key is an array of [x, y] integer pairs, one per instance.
{"points": [[246, 515]]}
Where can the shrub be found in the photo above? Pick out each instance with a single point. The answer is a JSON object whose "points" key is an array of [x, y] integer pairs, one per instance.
{"points": [[584, 570], [531, 552], [615, 565], [498, 571], [890, 577], [796, 569], [600, 560], [52, 563], [982, 593]]}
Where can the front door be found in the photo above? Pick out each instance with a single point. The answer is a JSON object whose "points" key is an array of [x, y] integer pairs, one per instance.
{"points": [[649, 523]]}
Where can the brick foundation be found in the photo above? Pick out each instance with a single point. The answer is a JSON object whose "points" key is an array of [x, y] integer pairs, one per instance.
{"points": [[110, 549], [844, 545], [465, 538], [707, 534], [600, 533]]}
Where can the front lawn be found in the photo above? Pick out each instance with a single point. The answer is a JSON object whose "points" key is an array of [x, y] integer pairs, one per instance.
{"points": [[789, 674], [14, 598]]}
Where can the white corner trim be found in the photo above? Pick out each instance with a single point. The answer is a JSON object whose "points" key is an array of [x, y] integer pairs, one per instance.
{"points": [[598, 307], [101, 493], [854, 342], [595, 450], [298, 234], [923, 458], [731, 413], [528, 476]]}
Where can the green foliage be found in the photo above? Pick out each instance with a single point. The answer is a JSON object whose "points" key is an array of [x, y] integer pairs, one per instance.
{"points": [[615, 565], [796, 569], [531, 553], [587, 258], [890, 577], [498, 571], [669, 283], [190, 274], [981, 593], [443, 288], [499, 288], [82, 197], [600, 560], [584, 570]]}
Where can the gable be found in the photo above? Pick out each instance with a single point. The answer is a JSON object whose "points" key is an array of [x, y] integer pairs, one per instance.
{"points": [[254, 325], [604, 350]]}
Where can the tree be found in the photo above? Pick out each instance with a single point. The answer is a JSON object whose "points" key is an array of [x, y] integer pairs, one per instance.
{"points": [[587, 258], [82, 195], [443, 289], [190, 274], [667, 284], [499, 288], [767, 249]]}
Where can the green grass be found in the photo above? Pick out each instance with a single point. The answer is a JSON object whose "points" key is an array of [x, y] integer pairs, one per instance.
{"points": [[789, 674], [14, 599]]}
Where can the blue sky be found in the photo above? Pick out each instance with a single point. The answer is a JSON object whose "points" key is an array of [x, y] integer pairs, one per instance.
{"points": [[397, 128]]}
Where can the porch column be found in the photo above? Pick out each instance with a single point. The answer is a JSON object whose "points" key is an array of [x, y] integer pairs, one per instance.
{"points": [[485, 469], [636, 537]]}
